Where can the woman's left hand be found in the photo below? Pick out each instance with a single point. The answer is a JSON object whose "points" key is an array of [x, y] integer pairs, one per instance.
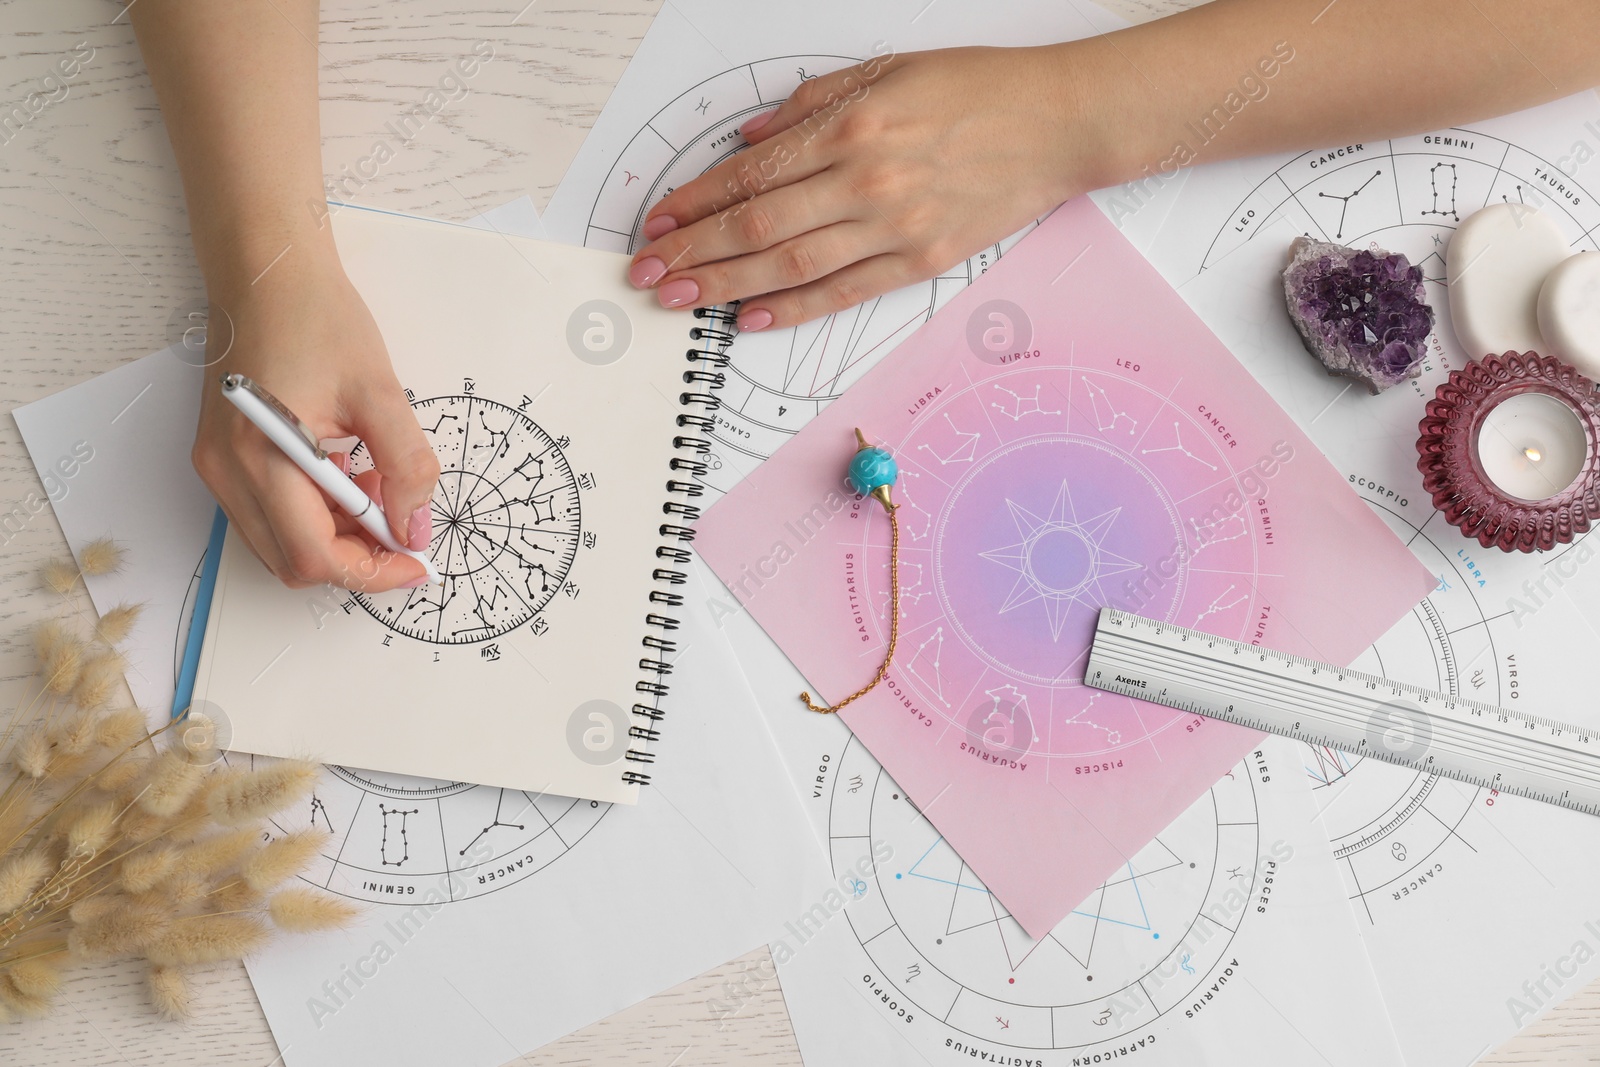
{"points": [[871, 178]]}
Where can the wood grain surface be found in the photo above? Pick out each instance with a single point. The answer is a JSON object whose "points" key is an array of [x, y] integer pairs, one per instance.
{"points": [[95, 256]]}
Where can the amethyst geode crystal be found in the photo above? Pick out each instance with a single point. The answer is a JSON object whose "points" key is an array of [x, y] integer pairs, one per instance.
{"points": [[1363, 314]]}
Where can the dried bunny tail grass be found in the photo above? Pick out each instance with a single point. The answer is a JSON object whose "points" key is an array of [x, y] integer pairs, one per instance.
{"points": [[31, 753], [18, 1003], [127, 927], [20, 875], [121, 728], [47, 635], [139, 826], [116, 624], [40, 977], [306, 910], [235, 896], [218, 853], [118, 776], [256, 794], [282, 859], [173, 779], [77, 733], [176, 892], [94, 907], [98, 679], [60, 656], [207, 939], [59, 576], [16, 815], [101, 556], [92, 829], [144, 870], [170, 993]]}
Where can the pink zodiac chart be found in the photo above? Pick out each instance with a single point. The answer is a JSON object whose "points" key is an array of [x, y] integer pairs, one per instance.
{"points": [[1056, 458]]}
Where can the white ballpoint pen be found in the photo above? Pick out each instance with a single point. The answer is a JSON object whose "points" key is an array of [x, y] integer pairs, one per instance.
{"points": [[295, 439]]}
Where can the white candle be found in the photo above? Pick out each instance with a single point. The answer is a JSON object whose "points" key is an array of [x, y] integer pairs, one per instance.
{"points": [[1532, 446]]}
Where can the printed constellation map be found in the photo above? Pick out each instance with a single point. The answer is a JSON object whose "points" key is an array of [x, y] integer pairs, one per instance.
{"points": [[1392, 828], [938, 936], [777, 380], [1065, 488], [1406, 195]]}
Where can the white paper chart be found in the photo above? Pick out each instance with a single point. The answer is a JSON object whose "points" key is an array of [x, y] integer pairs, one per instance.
{"points": [[1466, 899], [1231, 922]]}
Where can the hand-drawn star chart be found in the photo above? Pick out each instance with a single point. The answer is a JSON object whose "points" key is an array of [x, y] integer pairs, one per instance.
{"points": [[1407, 195], [507, 524], [1016, 531], [777, 380], [1150, 935], [1390, 825]]}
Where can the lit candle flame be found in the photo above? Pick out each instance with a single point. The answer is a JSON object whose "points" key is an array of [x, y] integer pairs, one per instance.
{"points": [[1533, 454]]}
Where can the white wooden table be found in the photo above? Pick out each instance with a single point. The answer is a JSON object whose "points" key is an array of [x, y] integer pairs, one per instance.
{"points": [[95, 254]]}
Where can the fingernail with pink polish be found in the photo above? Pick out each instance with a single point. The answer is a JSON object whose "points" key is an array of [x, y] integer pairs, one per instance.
{"points": [[659, 227], [646, 272], [756, 123], [419, 530], [677, 294], [755, 319], [342, 461], [416, 583]]}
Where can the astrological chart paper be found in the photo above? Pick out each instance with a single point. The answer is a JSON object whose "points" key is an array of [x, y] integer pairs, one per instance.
{"points": [[1424, 860], [1070, 437]]}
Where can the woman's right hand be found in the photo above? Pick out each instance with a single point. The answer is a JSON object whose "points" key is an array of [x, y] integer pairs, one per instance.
{"points": [[307, 336]]}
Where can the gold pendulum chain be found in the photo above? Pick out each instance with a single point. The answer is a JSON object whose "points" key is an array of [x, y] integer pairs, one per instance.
{"points": [[894, 619]]}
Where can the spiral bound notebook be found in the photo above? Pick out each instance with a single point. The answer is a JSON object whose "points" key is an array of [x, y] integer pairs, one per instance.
{"points": [[568, 412]]}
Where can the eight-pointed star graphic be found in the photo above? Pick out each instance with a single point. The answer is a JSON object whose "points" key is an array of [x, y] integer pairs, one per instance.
{"points": [[1059, 560]]}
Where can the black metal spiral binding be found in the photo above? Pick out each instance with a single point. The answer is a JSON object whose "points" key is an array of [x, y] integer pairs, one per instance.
{"points": [[709, 357]]}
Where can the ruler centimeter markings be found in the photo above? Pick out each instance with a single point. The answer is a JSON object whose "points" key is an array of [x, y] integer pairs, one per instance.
{"points": [[1364, 714]]}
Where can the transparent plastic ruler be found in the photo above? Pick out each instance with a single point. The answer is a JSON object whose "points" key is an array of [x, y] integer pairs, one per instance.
{"points": [[1363, 714]]}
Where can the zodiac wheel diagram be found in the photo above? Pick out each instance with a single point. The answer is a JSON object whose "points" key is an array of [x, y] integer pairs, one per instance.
{"points": [[1389, 824], [394, 838], [1029, 501], [1407, 195], [1137, 947], [777, 381], [506, 524]]}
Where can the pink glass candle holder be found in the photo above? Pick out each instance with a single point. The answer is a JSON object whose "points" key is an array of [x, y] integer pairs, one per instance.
{"points": [[1510, 451]]}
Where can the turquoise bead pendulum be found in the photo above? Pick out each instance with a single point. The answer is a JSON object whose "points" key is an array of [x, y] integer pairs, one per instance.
{"points": [[873, 472]]}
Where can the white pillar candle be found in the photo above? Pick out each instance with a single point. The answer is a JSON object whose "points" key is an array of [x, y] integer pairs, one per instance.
{"points": [[1532, 446]]}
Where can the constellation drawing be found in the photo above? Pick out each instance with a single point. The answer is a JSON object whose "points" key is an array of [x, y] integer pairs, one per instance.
{"points": [[1080, 717], [933, 679], [383, 843], [1433, 183], [908, 499], [1344, 202], [493, 824], [492, 515], [966, 446], [1217, 607], [1021, 406], [1106, 421], [1177, 437]]}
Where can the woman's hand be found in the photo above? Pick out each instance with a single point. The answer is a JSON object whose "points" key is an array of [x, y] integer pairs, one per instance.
{"points": [[309, 339], [869, 179]]}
